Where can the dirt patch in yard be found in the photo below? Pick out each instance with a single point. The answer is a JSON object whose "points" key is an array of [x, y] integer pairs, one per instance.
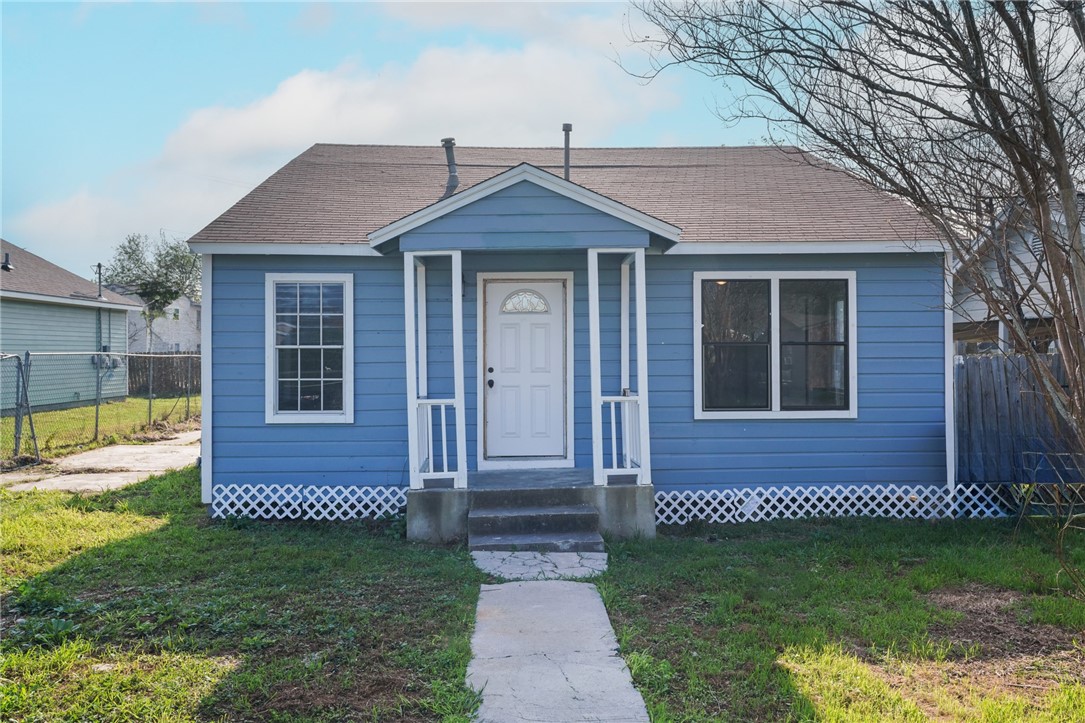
{"points": [[952, 690], [994, 651], [996, 621], [161, 430], [381, 691]]}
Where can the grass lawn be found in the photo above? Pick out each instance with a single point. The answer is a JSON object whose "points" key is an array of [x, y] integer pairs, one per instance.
{"points": [[65, 431], [135, 606], [849, 620], [132, 605]]}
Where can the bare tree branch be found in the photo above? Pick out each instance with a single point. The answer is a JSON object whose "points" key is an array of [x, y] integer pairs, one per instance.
{"points": [[974, 113]]}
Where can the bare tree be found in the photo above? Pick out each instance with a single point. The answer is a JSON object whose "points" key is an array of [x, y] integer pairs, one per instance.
{"points": [[972, 112]]}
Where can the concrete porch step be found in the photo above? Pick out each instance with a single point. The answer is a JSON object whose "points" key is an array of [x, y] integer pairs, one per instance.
{"points": [[539, 542], [524, 520], [531, 497]]}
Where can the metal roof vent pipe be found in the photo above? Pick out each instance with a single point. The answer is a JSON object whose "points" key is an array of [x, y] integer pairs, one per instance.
{"points": [[450, 157], [568, 128], [7, 265]]}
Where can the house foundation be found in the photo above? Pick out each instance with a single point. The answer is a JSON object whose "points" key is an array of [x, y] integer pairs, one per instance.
{"points": [[532, 516]]}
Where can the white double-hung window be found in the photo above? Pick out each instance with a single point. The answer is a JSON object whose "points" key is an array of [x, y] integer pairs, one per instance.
{"points": [[774, 345], [309, 348]]}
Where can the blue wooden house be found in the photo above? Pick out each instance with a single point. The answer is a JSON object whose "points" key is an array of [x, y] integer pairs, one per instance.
{"points": [[661, 333]]}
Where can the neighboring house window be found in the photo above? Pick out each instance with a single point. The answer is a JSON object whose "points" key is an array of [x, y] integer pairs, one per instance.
{"points": [[310, 348], [774, 345], [176, 314]]}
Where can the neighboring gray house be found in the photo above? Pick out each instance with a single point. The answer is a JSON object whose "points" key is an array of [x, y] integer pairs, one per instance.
{"points": [[975, 327], [178, 330], [47, 309]]}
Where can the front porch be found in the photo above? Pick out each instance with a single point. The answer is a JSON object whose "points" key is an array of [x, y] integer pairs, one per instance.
{"points": [[439, 431], [516, 436]]}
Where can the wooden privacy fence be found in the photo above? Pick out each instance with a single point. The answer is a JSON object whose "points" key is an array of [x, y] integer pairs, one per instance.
{"points": [[1004, 434], [163, 375]]}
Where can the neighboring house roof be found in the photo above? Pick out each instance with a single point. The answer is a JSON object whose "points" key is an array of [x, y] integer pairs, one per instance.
{"points": [[1014, 217], [35, 279], [338, 194], [132, 296]]}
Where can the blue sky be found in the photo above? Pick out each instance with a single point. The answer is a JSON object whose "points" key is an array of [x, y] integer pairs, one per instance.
{"points": [[155, 117]]}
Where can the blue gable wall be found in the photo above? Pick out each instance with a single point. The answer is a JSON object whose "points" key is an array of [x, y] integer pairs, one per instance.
{"points": [[899, 435], [524, 216]]}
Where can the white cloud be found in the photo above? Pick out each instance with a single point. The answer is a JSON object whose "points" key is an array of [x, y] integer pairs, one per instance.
{"points": [[587, 25], [480, 95]]}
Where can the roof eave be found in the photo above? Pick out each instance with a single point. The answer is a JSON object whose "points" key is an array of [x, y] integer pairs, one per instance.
{"points": [[67, 300]]}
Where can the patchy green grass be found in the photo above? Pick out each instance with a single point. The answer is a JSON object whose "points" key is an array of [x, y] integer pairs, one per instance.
{"points": [[132, 605], [66, 431], [849, 620]]}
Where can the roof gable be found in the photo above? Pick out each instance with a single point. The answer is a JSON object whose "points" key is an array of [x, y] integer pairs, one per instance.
{"points": [[525, 172], [523, 217]]}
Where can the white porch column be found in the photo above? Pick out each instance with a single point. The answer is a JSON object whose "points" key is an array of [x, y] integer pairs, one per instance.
{"points": [[411, 341], [645, 476], [421, 330], [596, 365], [460, 479], [624, 343]]}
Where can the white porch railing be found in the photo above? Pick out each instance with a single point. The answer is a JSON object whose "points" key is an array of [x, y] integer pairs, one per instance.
{"points": [[433, 420], [428, 419], [628, 413], [625, 440]]}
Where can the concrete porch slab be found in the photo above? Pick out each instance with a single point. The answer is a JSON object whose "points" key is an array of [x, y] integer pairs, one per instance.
{"points": [[541, 565]]}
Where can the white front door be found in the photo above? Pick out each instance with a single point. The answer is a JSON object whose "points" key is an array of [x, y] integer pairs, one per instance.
{"points": [[524, 369]]}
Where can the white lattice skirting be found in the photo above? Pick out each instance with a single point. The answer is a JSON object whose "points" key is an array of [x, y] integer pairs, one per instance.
{"points": [[752, 504], [747, 504], [306, 502]]}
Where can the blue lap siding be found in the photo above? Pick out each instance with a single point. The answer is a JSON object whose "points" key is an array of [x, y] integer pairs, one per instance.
{"points": [[370, 451], [899, 435]]}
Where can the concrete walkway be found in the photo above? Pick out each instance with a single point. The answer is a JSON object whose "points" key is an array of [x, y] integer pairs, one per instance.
{"points": [[545, 651], [107, 468]]}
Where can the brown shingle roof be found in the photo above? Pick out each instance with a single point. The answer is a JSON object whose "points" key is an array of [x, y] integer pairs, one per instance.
{"points": [[34, 275], [340, 193]]}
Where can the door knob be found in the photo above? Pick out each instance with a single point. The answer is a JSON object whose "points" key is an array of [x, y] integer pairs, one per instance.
{"points": [[490, 383]]}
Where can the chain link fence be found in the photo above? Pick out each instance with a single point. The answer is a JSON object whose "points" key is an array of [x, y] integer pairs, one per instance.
{"points": [[54, 403]]}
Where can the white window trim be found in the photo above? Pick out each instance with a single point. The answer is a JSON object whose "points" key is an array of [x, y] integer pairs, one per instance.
{"points": [[273, 416], [774, 277]]}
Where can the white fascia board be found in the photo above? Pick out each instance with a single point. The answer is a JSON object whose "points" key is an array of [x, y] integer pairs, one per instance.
{"points": [[65, 301], [525, 172], [804, 247], [273, 249]]}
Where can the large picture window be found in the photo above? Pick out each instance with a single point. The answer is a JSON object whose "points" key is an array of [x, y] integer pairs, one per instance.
{"points": [[309, 348], [774, 345]]}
